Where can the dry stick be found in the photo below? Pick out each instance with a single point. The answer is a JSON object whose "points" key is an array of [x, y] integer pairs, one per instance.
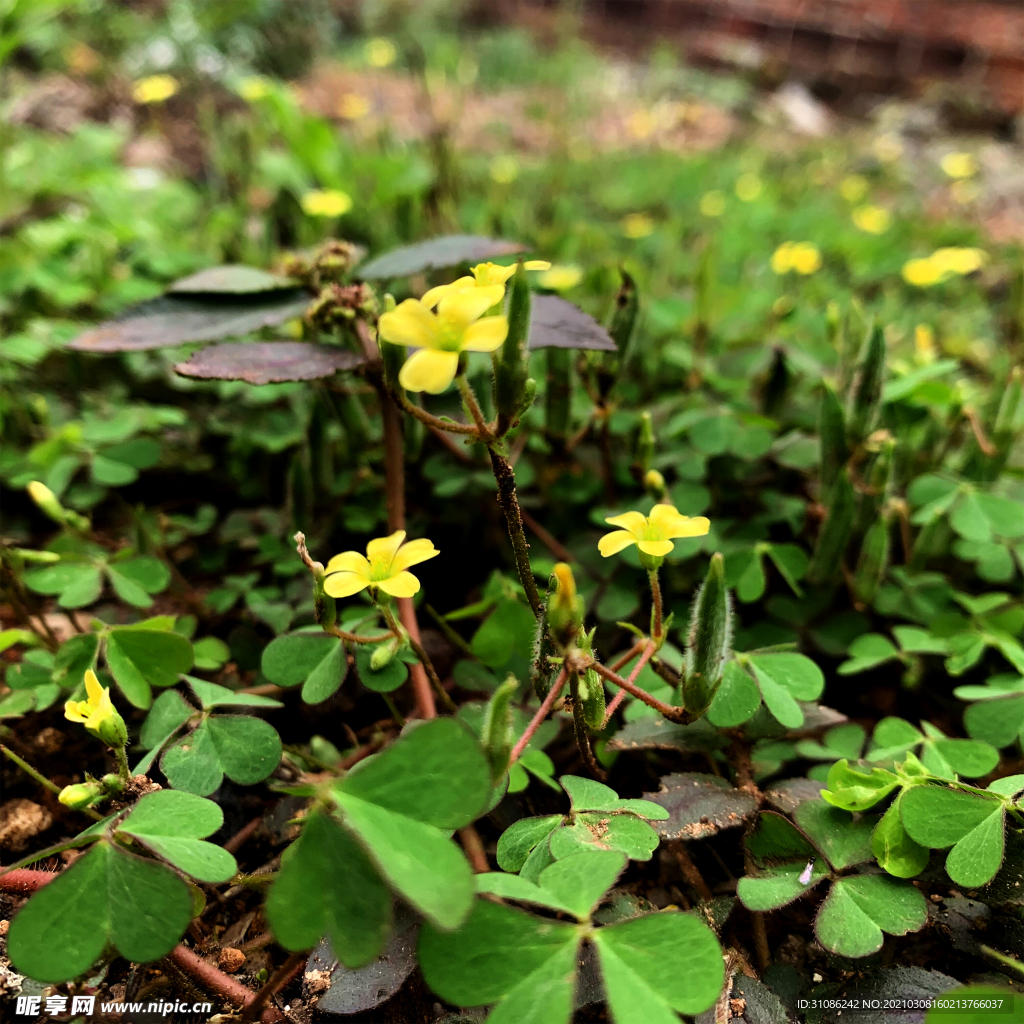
{"points": [[562, 553], [690, 870], [275, 983], [474, 847], [505, 477], [542, 713], [234, 844], [621, 695]]}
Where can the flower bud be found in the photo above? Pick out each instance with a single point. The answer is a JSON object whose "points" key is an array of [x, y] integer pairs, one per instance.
{"points": [[381, 656], [48, 503], [82, 794], [565, 606], [655, 483]]}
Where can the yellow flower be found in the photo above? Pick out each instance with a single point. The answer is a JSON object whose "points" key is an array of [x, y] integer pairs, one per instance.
{"points": [[956, 260], [641, 124], [253, 88], [484, 275], [327, 202], [637, 225], [652, 534], [504, 169], [560, 278], [440, 337], [154, 89], [748, 187], [803, 257], [98, 713], [873, 219], [853, 188], [924, 342], [712, 204], [922, 272], [888, 147], [353, 106], [380, 52], [384, 567], [959, 165]]}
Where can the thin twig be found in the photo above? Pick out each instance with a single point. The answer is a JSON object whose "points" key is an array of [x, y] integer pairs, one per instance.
{"points": [[645, 656], [277, 981], [690, 870], [971, 415], [474, 847], [469, 398], [541, 714], [235, 843], [559, 550], [29, 770], [450, 633]]}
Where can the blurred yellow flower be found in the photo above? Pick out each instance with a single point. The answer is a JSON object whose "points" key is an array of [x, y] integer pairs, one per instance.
{"points": [[504, 169], [253, 88], [380, 52], [888, 147], [924, 342], [712, 204], [956, 260], [853, 188], [97, 713], [637, 225], [748, 187], [803, 257], [959, 165], [491, 276], [384, 567], [154, 89], [561, 277], [873, 219], [652, 534], [641, 124], [353, 106], [440, 337], [326, 202], [922, 272]]}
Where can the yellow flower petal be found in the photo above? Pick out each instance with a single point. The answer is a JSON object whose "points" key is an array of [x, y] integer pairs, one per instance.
{"points": [[93, 688], [413, 553], [76, 710], [349, 561], [698, 526], [655, 547], [485, 335], [404, 584], [663, 512], [463, 307], [537, 265], [433, 296], [429, 370], [613, 543], [344, 584], [381, 550], [410, 323], [631, 521]]}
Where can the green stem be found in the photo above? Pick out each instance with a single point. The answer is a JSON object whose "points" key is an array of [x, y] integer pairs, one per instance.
{"points": [[395, 713], [424, 659], [122, 764], [466, 390], [505, 478], [656, 620]]}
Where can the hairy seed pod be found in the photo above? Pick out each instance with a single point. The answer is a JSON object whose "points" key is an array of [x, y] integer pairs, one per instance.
{"points": [[835, 531], [832, 432], [592, 699], [865, 398], [558, 393], [874, 559], [710, 639], [496, 731], [622, 327], [511, 362]]}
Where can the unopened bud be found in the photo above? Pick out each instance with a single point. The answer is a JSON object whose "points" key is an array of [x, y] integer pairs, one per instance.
{"points": [[82, 794], [381, 656], [655, 483], [48, 503], [565, 606]]}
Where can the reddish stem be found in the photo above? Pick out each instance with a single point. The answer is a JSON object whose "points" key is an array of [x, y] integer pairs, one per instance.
{"points": [[671, 713], [542, 713], [621, 695]]}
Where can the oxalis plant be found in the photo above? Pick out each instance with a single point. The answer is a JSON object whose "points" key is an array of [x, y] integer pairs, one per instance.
{"points": [[392, 827]]}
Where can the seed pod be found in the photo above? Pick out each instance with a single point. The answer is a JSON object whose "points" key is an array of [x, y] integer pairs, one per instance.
{"points": [[874, 559], [865, 398], [644, 443], [835, 531], [558, 394], [832, 432], [543, 647], [879, 479], [592, 699], [496, 732], [325, 609], [511, 363], [1009, 421], [627, 306], [382, 655], [709, 640]]}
